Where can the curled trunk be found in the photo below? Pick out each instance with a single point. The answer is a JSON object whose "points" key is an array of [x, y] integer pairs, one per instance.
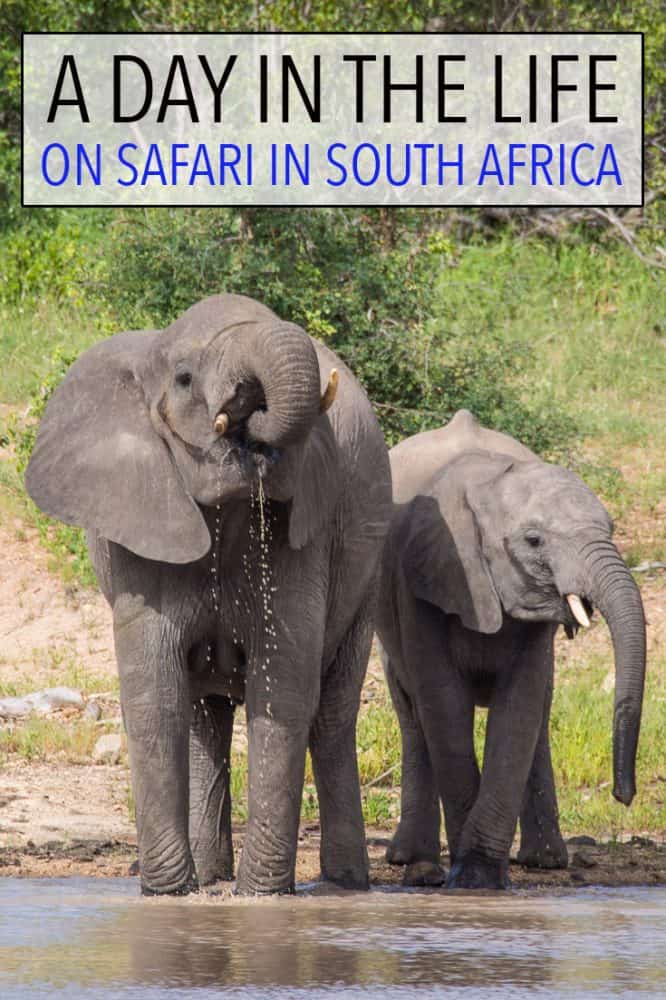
{"points": [[282, 358], [613, 590]]}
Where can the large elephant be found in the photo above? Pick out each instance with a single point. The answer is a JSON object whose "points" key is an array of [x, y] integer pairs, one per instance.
{"points": [[235, 520], [489, 550]]}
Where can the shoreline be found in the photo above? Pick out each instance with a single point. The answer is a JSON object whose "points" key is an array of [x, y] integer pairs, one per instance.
{"points": [[640, 861]]}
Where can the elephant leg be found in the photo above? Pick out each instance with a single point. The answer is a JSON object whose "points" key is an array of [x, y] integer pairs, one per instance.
{"points": [[541, 843], [416, 841], [281, 699], [514, 722], [444, 708], [343, 853], [448, 724], [210, 801], [276, 767], [155, 705], [282, 689]]}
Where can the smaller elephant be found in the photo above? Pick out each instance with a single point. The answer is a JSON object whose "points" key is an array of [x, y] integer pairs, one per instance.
{"points": [[489, 550]]}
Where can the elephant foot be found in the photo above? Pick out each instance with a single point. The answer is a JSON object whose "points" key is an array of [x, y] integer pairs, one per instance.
{"points": [[265, 879], [217, 871], [356, 879], [476, 871], [344, 859], [406, 849], [396, 854], [251, 887], [544, 855], [183, 888], [205, 875], [421, 874]]}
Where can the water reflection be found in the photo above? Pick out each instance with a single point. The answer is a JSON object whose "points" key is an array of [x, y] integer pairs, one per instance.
{"points": [[82, 938]]}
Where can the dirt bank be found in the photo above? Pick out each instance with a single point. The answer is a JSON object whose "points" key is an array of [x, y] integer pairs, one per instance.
{"points": [[61, 814], [638, 862]]}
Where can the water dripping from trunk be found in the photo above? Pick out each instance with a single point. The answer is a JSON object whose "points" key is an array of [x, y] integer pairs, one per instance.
{"points": [[214, 582], [262, 534]]}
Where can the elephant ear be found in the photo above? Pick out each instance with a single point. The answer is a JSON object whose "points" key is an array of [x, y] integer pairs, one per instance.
{"points": [[443, 555], [318, 484], [99, 463]]}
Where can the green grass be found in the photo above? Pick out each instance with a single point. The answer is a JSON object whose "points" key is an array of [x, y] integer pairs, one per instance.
{"points": [[238, 786], [595, 319], [29, 335], [76, 675], [42, 739], [581, 741], [378, 744], [643, 552], [60, 668]]}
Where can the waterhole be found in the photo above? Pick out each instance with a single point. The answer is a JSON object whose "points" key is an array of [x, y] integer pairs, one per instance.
{"points": [[86, 938]]}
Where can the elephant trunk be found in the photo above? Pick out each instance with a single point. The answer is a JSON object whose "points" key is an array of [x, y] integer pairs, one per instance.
{"points": [[613, 590], [282, 358]]}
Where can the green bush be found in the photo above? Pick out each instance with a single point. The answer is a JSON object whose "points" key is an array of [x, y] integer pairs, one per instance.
{"points": [[22, 433], [364, 281], [56, 257], [66, 544]]}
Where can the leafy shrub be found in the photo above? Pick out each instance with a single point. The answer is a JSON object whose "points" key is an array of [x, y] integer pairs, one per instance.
{"points": [[66, 544], [56, 257], [365, 282], [23, 433]]}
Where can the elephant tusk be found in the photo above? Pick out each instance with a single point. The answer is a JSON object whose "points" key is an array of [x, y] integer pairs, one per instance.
{"points": [[330, 392], [221, 423], [577, 610]]}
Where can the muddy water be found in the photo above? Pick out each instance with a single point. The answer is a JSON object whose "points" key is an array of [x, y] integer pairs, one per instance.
{"points": [[85, 938]]}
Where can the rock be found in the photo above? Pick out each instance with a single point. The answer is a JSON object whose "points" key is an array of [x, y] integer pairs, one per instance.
{"points": [[134, 868], [92, 711], [608, 683], [637, 841], [40, 702], [378, 841], [582, 859], [81, 852], [582, 841], [107, 749], [645, 567]]}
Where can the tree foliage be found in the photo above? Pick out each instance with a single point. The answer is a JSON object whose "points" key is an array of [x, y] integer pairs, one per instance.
{"points": [[363, 280]]}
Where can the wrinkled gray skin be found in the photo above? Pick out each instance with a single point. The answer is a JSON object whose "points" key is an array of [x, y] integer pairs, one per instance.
{"points": [[127, 448], [485, 543]]}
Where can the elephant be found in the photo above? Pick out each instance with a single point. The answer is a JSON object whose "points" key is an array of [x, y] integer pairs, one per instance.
{"points": [[234, 485], [489, 550]]}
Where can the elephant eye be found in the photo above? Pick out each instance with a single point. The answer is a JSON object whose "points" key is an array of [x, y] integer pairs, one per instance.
{"points": [[184, 379], [533, 538]]}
